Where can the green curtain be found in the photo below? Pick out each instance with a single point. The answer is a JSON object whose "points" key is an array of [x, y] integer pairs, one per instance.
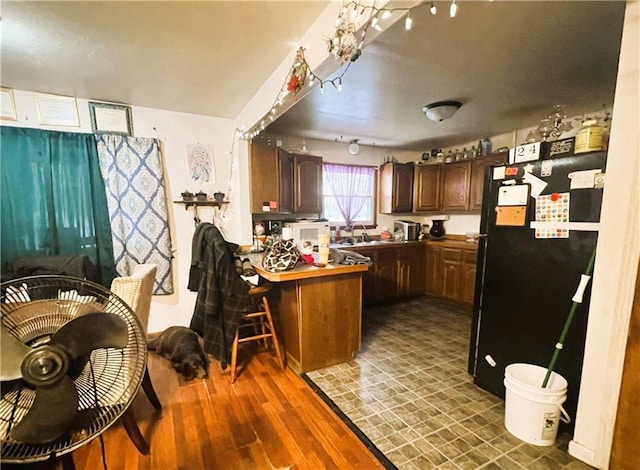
{"points": [[52, 197]]}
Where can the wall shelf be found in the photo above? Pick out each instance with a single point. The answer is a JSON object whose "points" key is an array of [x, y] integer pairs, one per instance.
{"points": [[195, 203]]}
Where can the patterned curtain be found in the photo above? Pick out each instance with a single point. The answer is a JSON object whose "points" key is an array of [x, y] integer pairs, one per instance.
{"points": [[132, 173]]}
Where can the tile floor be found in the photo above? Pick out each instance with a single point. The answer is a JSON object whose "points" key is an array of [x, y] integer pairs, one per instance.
{"points": [[409, 392]]}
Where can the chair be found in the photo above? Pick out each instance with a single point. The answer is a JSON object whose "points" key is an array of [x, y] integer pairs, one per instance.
{"points": [[136, 290], [261, 323]]}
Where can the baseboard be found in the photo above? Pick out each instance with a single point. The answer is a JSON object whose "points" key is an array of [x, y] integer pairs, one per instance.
{"points": [[581, 452]]}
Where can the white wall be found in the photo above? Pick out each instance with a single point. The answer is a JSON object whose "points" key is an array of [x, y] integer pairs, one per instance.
{"points": [[176, 131]]}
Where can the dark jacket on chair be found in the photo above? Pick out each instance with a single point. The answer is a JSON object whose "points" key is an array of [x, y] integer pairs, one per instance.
{"points": [[222, 297]]}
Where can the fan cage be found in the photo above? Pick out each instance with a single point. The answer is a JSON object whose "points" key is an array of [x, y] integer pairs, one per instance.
{"points": [[32, 310]]}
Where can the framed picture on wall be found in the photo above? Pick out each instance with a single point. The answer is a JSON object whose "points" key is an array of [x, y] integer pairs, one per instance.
{"points": [[55, 110], [8, 111], [110, 118]]}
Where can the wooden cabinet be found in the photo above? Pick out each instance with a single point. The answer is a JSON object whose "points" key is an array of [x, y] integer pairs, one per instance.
{"points": [[397, 272], [456, 178], [396, 188], [411, 272], [468, 276], [265, 178], [478, 171], [285, 182], [433, 271], [427, 188], [286, 186], [307, 184], [452, 187], [451, 273]]}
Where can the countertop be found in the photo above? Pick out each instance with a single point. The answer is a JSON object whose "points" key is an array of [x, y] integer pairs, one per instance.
{"points": [[307, 271], [460, 243]]}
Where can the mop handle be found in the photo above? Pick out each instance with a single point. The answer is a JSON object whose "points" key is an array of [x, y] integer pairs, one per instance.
{"points": [[576, 300]]}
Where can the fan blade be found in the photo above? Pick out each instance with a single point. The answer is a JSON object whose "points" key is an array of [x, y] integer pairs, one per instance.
{"points": [[13, 352], [92, 331], [51, 414]]}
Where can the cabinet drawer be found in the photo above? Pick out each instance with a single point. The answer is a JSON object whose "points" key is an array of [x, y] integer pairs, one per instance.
{"points": [[469, 256], [451, 254]]}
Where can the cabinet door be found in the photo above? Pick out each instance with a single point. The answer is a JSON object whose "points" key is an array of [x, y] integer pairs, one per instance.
{"points": [[386, 272], [264, 178], [403, 187], [451, 264], [411, 271], [455, 192], [426, 188], [369, 278], [434, 271], [396, 188], [285, 173], [308, 184], [467, 282], [478, 173]]}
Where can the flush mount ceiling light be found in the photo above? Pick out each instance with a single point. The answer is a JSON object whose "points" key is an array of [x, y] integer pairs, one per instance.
{"points": [[354, 148], [441, 110]]}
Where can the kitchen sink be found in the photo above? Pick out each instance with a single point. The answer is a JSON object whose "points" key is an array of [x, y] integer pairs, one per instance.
{"points": [[349, 242]]}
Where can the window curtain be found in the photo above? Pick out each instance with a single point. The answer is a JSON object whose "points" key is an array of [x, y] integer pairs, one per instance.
{"points": [[349, 187], [132, 172], [53, 198]]}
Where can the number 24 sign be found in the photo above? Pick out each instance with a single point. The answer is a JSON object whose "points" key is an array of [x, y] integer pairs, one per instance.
{"points": [[525, 153]]}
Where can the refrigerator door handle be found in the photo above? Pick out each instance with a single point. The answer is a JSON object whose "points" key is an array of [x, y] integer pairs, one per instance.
{"points": [[482, 235]]}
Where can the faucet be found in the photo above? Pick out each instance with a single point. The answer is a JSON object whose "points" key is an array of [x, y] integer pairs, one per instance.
{"points": [[364, 236]]}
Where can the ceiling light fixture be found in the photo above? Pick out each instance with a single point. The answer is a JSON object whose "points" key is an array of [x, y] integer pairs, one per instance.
{"points": [[441, 110], [453, 9], [433, 9], [354, 148]]}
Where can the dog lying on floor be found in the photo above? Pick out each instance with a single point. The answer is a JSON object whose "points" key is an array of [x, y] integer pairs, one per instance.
{"points": [[180, 345]]}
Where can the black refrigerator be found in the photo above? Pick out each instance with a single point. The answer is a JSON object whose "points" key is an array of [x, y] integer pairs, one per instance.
{"points": [[538, 231]]}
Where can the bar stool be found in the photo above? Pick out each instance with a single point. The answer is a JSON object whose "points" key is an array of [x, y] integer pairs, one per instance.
{"points": [[261, 323]]}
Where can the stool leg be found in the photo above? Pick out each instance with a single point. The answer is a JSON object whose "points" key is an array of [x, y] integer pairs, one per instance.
{"points": [[234, 357], [274, 337]]}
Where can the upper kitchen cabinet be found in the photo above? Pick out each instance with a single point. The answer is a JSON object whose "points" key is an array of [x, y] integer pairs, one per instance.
{"points": [[456, 180], [307, 184], [478, 171], [427, 188], [265, 180], [285, 182], [396, 187]]}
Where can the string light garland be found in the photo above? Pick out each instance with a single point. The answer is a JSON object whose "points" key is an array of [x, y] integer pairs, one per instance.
{"points": [[354, 19]]}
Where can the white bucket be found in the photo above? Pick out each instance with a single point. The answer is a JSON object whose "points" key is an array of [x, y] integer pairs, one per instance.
{"points": [[533, 413]]}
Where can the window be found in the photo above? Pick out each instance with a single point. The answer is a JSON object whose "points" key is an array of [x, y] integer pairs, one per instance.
{"points": [[349, 194]]}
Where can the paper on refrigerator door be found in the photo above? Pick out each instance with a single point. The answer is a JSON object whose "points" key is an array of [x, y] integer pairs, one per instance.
{"points": [[583, 179], [537, 185], [517, 195]]}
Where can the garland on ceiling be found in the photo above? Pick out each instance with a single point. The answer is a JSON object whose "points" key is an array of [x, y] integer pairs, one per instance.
{"points": [[352, 24]]}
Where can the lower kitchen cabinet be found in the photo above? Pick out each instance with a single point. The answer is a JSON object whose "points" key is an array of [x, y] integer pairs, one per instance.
{"points": [[451, 273], [397, 272]]}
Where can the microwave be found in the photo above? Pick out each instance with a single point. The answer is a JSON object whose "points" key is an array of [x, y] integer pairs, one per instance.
{"points": [[304, 231]]}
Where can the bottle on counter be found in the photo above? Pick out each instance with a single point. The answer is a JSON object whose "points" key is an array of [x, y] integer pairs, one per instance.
{"points": [[479, 149]]}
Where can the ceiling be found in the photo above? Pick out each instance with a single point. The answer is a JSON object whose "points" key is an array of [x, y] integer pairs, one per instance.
{"points": [[508, 62]]}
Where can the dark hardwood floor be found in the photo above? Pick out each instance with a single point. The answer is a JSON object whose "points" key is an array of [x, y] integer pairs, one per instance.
{"points": [[268, 419]]}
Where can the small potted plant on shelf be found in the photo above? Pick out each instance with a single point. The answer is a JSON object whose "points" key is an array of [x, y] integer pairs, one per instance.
{"points": [[201, 196], [187, 196], [218, 196]]}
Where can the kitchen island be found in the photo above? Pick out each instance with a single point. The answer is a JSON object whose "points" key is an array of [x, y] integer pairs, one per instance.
{"points": [[319, 313]]}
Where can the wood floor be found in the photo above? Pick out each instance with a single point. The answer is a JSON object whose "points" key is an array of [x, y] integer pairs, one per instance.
{"points": [[269, 419]]}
